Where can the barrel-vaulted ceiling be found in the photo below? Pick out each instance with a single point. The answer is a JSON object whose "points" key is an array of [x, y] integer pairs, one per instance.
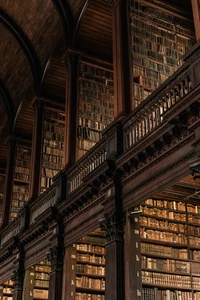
{"points": [[34, 35]]}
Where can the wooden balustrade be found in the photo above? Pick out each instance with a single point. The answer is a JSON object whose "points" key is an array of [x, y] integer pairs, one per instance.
{"points": [[150, 113], [88, 163]]}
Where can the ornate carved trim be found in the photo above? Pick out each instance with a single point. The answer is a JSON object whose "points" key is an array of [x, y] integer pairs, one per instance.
{"points": [[70, 57], [56, 256], [113, 226]]}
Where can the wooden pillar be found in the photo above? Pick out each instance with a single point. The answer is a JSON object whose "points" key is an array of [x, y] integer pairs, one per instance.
{"points": [[71, 105], [8, 181], [121, 58], [113, 226], [55, 283], [35, 177], [132, 253], [18, 276], [196, 17], [56, 257]]}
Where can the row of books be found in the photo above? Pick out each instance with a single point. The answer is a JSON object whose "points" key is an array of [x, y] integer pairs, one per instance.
{"points": [[40, 294], [53, 128], [90, 258], [99, 88], [95, 71], [95, 116], [84, 296], [90, 269], [166, 279], [51, 114], [158, 294], [166, 251], [174, 205], [53, 137], [91, 283], [22, 163], [53, 143], [98, 106], [91, 248], [23, 154], [92, 97], [91, 124], [20, 197], [140, 92], [163, 213], [168, 265], [41, 283], [56, 156], [165, 20], [163, 236], [88, 133], [162, 224], [152, 68], [21, 189], [195, 219], [85, 144]]}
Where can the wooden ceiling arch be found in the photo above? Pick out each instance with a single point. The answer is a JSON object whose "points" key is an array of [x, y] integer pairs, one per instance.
{"points": [[26, 46]]}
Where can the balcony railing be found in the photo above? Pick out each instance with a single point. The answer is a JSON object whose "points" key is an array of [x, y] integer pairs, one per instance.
{"points": [[149, 114], [146, 118], [88, 163]]}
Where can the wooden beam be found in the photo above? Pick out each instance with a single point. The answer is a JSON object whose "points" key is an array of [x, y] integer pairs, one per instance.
{"points": [[196, 17]]}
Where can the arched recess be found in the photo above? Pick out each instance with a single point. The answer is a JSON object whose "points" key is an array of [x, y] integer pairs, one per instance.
{"points": [[26, 46], [8, 105], [66, 18]]}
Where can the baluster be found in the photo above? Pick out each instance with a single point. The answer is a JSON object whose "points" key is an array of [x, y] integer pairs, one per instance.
{"points": [[180, 89], [189, 83], [133, 135]]}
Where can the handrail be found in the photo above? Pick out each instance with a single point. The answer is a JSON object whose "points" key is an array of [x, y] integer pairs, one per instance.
{"points": [[85, 165]]}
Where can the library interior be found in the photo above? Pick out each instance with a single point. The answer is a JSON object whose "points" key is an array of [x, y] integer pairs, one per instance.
{"points": [[100, 150]]}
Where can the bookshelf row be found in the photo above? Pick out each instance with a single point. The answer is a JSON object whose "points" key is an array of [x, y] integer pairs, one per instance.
{"points": [[95, 104], [159, 41]]}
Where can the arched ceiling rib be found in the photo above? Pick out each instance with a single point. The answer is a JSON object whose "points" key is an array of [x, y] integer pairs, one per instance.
{"points": [[8, 105]]}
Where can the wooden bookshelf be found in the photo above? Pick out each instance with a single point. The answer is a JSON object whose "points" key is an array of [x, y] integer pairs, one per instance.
{"points": [[88, 261], [95, 104], [53, 145], [159, 41], [170, 250], [39, 280], [6, 290], [20, 191]]}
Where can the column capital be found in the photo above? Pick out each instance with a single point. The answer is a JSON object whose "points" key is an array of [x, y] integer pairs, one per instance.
{"points": [[55, 256], [113, 225], [70, 57], [38, 104], [18, 278]]}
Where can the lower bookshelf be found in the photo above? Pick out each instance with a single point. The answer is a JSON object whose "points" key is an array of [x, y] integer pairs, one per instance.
{"points": [[88, 262], [6, 290]]}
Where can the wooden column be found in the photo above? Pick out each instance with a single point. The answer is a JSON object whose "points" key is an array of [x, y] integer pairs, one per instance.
{"points": [[55, 283], [56, 257], [71, 104], [132, 253], [113, 226], [18, 276], [196, 17], [8, 182], [35, 175], [121, 58]]}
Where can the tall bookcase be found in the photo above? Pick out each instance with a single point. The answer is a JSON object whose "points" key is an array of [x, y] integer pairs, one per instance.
{"points": [[170, 250], [95, 103], [38, 277], [6, 290], [87, 260], [20, 191], [53, 145], [158, 40]]}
